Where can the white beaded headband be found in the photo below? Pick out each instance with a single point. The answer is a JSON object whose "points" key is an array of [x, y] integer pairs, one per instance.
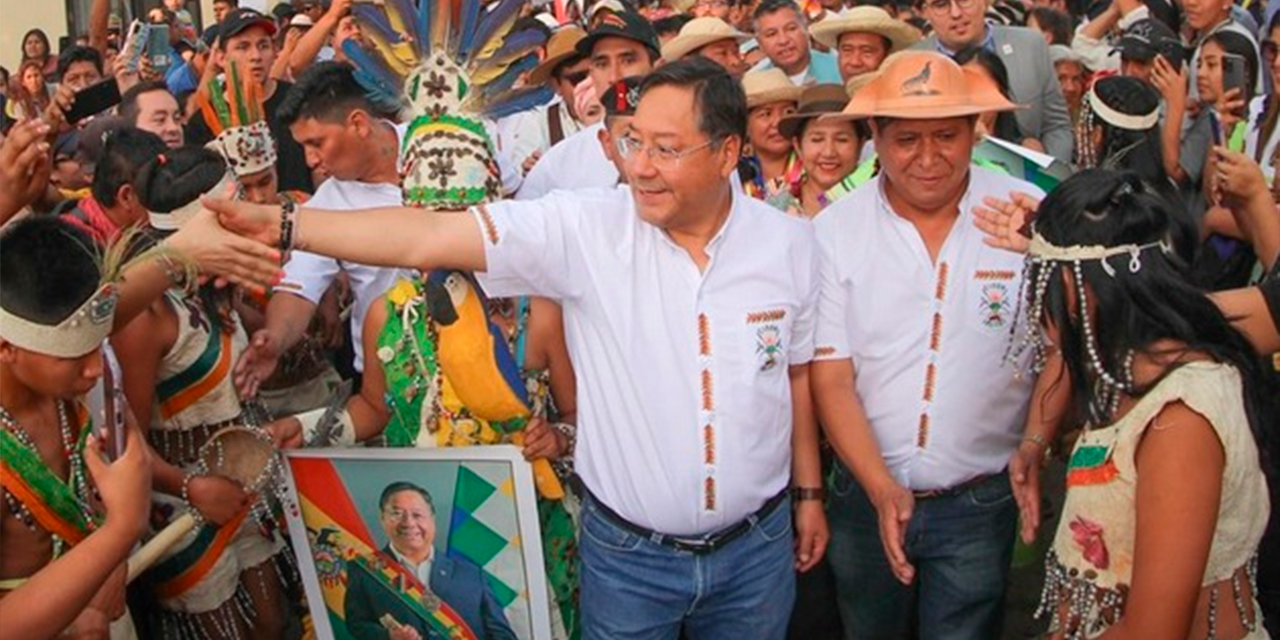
{"points": [[1044, 250], [80, 333], [1122, 120]]}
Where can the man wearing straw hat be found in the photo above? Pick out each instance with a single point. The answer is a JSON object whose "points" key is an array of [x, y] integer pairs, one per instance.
{"points": [[618, 45], [527, 135], [929, 430], [711, 38], [862, 38]]}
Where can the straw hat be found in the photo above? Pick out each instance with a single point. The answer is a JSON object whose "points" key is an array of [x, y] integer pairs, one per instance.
{"points": [[868, 19], [560, 47], [765, 87], [924, 85], [815, 100], [698, 33]]}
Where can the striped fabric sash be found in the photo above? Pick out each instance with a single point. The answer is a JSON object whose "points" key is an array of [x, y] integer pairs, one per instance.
{"points": [[52, 501], [177, 574], [409, 591], [187, 387], [1090, 465]]}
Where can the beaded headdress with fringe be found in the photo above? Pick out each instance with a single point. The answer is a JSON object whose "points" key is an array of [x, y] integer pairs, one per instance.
{"points": [[447, 65]]}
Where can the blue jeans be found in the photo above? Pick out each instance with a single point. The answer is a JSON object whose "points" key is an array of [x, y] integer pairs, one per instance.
{"points": [[636, 589], [960, 544]]}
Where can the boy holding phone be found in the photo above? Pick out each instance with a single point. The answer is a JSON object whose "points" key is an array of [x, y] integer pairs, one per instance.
{"points": [[62, 563]]}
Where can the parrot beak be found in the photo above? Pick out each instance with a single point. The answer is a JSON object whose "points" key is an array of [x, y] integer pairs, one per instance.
{"points": [[440, 303]]}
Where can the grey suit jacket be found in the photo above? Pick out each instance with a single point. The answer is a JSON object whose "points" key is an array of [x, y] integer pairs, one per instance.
{"points": [[1033, 84]]}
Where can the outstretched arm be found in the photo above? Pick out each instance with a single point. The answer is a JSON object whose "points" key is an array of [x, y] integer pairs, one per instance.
{"points": [[389, 237]]}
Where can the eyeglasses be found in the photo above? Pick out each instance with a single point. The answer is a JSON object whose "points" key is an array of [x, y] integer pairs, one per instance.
{"points": [[942, 6], [400, 514], [662, 157]]}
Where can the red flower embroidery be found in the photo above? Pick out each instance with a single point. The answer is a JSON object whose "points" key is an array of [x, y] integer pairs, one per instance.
{"points": [[1088, 535]]}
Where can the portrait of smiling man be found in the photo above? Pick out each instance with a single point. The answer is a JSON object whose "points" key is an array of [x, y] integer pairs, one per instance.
{"points": [[783, 34], [407, 516]]}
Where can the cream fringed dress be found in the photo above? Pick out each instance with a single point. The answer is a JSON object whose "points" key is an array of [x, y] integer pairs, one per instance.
{"points": [[1090, 566]]}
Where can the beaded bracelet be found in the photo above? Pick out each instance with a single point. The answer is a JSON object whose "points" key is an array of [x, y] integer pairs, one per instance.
{"points": [[186, 499], [288, 223], [569, 431]]}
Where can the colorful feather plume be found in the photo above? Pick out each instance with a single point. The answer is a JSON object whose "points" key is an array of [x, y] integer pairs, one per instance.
{"points": [[403, 40]]}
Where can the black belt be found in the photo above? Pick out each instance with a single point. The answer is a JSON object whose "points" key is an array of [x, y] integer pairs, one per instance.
{"points": [[700, 545], [951, 491]]}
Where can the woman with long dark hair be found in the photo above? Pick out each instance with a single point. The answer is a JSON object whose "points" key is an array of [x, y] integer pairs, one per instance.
{"points": [[28, 93], [1119, 129], [36, 48], [1166, 497], [1003, 125]]}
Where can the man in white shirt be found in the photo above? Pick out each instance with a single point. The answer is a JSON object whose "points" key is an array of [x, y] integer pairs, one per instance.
{"points": [[922, 309], [527, 135], [689, 312], [618, 45], [341, 132]]}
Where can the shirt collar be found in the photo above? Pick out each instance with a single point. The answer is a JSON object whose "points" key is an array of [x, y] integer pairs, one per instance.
{"points": [[988, 43], [404, 560]]}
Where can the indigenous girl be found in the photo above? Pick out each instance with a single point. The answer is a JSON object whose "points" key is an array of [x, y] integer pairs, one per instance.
{"points": [[1166, 499]]}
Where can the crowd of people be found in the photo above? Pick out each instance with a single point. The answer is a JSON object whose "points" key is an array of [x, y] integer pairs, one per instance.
{"points": [[868, 320]]}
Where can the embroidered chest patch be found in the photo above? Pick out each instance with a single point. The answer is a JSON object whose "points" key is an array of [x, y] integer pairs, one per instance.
{"points": [[1091, 465], [768, 346], [994, 306]]}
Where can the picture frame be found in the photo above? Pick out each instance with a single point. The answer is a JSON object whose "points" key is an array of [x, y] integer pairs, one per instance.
{"points": [[486, 538]]}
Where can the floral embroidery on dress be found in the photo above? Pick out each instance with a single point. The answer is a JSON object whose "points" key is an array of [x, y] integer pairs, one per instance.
{"points": [[1088, 536]]}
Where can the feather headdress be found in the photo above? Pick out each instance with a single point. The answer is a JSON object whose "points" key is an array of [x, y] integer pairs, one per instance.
{"points": [[233, 110], [447, 64]]}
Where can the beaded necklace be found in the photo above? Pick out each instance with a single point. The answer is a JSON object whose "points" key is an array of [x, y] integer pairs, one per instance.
{"points": [[77, 478]]}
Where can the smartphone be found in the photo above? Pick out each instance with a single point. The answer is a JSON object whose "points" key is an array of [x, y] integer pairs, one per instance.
{"points": [[158, 50], [94, 99], [1233, 75], [135, 41], [114, 404]]}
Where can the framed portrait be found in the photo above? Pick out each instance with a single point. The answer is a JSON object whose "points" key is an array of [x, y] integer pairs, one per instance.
{"points": [[428, 543]]}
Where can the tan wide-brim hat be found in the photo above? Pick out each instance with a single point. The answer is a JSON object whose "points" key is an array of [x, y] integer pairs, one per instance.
{"points": [[560, 47], [767, 87], [698, 33], [854, 84], [926, 85], [867, 19], [815, 100]]}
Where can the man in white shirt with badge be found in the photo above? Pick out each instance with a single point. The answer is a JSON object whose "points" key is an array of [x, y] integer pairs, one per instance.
{"points": [[618, 45], [341, 131], [930, 428], [689, 314]]}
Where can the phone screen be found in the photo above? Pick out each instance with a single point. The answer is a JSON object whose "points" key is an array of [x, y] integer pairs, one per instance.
{"points": [[93, 100], [1233, 74]]}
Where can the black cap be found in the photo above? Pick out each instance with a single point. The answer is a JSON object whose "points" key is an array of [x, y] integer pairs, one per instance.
{"points": [[237, 21], [625, 24], [66, 145], [210, 36], [283, 12], [93, 139], [1147, 38], [621, 98]]}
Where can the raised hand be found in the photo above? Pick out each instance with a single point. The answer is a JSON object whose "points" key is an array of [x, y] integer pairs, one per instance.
{"points": [[257, 222], [1003, 220], [124, 485], [25, 164], [220, 253]]}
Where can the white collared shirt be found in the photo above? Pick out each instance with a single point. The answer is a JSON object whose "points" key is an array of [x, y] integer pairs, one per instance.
{"points": [[927, 340], [684, 397], [521, 134], [577, 162], [309, 275], [421, 571]]}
